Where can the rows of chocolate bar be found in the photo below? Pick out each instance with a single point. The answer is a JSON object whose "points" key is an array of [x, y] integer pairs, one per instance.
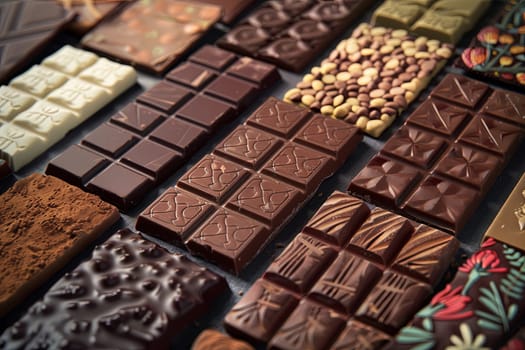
{"points": [[232, 202], [41, 105], [150, 138]]}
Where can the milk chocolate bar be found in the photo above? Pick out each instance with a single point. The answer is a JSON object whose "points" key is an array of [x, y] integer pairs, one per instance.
{"points": [[351, 279], [231, 9], [27, 27], [509, 224], [233, 201], [444, 20], [89, 13], [150, 138], [371, 77], [45, 223], [497, 50], [130, 293], [40, 106], [446, 156], [153, 35], [481, 307], [291, 34]]}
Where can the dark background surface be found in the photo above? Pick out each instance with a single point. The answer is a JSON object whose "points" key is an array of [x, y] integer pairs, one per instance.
{"points": [[470, 236]]}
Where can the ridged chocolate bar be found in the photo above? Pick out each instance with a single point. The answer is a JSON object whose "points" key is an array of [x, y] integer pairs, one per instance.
{"points": [[480, 308], [291, 34], [439, 165], [350, 280], [233, 201], [130, 294], [150, 138]]}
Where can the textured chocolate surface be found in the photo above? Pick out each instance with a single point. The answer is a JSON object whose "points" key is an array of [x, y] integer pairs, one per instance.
{"points": [[496, 51], [482, 306], [45, 223], [27, 26], [371, 77], [150, 138], [292, 34], [130, 292], [509, 224], [232, 202], [322, 293], [445, 158], [153, 35]]}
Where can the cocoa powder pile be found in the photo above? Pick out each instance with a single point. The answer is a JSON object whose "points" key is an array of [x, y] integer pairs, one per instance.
{"points": [[44, 223]]}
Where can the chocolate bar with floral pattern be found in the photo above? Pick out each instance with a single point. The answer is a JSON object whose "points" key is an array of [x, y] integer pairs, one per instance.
{"points": [[480, 308]]}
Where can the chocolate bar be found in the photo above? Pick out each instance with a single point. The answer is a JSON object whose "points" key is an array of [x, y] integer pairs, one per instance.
{"points": [[371, 77], [509, 224], [446, 156], [27, 27], [40, 106], [45, 223], [210, 339], [481, 307], [151, 137], [153, 35], [497, 50], [131, 293], [5, 170], [350, 279], [444, 20], [89, 13], [233, 201], [292, 34], [231, 9]]}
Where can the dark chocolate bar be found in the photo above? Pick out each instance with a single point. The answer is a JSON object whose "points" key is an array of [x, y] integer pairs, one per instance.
{"points": [[151, 137], [446, 156], [27, 27], [130, 294], [480, 308], [233, 201], [45, 223], [351, 279], [497, 51], [291, 34], [153, 35], [371, 77]]}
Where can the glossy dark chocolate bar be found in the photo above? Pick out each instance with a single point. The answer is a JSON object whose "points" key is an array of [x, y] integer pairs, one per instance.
{"points": [[446, 156], [131, 293], [153, 35], [291, 34], [151, 137], [480, 308], [233, 201], [27, 26], [351, 279]]}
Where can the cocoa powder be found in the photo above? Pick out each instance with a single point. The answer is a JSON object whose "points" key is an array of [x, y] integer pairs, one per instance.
{"points": [[44, 222]]}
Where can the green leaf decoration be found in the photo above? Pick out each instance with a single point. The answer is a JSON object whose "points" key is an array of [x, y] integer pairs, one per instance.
{"points": [[414, 335], [424, 346], [513, 284], [496, 318], [427, 324]]}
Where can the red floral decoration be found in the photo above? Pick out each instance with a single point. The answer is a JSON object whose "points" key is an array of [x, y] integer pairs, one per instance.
{"points": [[489, 35], [453, 303], [483, 261], [489, 242], [474, 56], [514, 344]]}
